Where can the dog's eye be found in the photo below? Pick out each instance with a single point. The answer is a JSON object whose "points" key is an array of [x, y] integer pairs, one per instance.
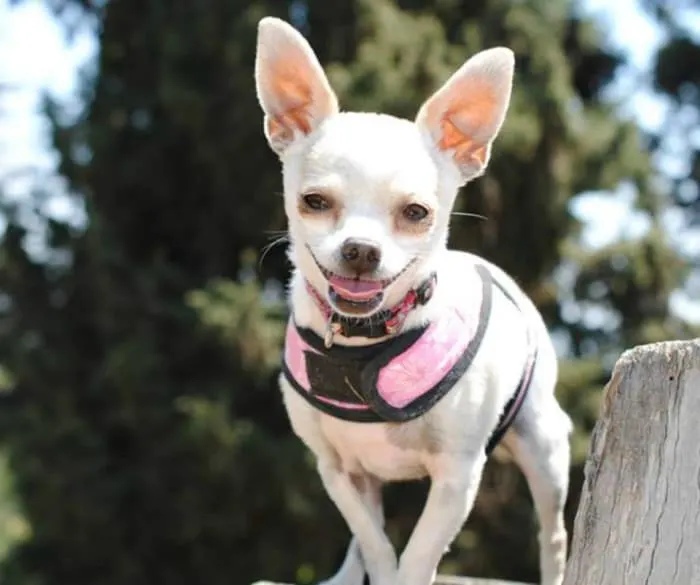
{"points": [[316, 202], [415, 212]]}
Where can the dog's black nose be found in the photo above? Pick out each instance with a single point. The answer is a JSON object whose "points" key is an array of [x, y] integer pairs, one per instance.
{"points": [[361, 256]]}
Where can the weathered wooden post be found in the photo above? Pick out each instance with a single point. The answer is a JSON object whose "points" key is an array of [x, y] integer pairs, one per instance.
{"points": [[638, 521]]}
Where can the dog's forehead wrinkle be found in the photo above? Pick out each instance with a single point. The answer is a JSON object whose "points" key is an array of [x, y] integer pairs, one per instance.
{"points": [[373, 148], [321, 179]]}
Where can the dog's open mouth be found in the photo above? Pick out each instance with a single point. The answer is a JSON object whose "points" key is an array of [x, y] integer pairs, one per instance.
{"points": [[356, 296], [360, 296], [353, 295]]}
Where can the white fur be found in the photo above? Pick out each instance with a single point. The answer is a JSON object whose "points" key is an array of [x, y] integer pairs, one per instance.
{"points": [[369, 163]]}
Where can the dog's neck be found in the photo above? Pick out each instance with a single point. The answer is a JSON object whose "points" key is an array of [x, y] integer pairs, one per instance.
{"points": [[386, 322], [311, 310]]}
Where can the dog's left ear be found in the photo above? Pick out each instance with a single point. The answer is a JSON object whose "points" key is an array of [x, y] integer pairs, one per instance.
{"points": [[464, 116], [292, 88]]}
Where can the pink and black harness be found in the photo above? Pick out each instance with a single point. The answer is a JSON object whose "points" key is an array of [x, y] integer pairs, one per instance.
{"points": [[403, 377]]}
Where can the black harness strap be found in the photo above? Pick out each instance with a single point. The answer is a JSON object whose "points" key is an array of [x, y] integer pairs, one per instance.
{"points": [[512, 407], [349, 374]]}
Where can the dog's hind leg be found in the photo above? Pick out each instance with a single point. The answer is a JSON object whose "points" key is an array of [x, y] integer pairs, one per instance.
{"points": [[539, 442], [352, 571]]}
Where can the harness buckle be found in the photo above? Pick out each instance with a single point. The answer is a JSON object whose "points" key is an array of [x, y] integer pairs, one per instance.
{"points": [[332, 328]]}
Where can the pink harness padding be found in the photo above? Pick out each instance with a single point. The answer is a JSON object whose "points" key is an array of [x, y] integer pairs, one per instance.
{"points": [[414, 372], [294, 348]]}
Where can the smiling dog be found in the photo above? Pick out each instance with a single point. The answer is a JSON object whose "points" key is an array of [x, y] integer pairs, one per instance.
{"points": [[404, 359]]}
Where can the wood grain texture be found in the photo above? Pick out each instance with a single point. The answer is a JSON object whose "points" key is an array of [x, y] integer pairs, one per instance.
{"points": [[638, 521]]}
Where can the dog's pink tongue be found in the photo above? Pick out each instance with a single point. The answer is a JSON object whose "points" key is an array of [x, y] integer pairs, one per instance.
{"points": [[355, 290]]}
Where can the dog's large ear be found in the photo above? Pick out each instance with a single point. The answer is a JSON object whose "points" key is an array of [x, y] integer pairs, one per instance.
{"points": [[464, 116], [293, 90]]}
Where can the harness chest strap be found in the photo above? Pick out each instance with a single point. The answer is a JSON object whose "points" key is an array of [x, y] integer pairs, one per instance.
{"points": [[402, 378]]}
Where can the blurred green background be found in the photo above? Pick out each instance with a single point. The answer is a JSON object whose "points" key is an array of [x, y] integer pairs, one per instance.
{"points": [[142, 437]]}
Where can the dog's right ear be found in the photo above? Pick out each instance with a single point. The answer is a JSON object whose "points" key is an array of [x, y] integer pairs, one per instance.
{"points": [[292, 88]]}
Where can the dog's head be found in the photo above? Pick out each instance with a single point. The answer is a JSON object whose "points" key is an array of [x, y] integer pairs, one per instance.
{"points": [[368, 196]]}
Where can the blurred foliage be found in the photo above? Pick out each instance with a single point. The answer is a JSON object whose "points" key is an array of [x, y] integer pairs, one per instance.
{"points": [[676, 75], [141, 417], [13, 527]]}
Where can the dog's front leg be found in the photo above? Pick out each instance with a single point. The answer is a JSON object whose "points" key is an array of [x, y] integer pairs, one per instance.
{"points": [[450, 499], [352, 571], [366, 525]]}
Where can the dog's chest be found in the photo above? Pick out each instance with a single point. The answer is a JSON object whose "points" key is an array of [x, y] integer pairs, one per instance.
{"points": [[388, 451], [398, 379]]}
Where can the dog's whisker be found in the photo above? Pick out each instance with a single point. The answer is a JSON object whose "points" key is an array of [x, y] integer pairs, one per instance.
{"points": [[266, 249], [468, 214]]}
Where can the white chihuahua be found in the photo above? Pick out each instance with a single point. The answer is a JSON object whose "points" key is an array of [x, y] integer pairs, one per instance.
{"points": [[404, 359]]}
